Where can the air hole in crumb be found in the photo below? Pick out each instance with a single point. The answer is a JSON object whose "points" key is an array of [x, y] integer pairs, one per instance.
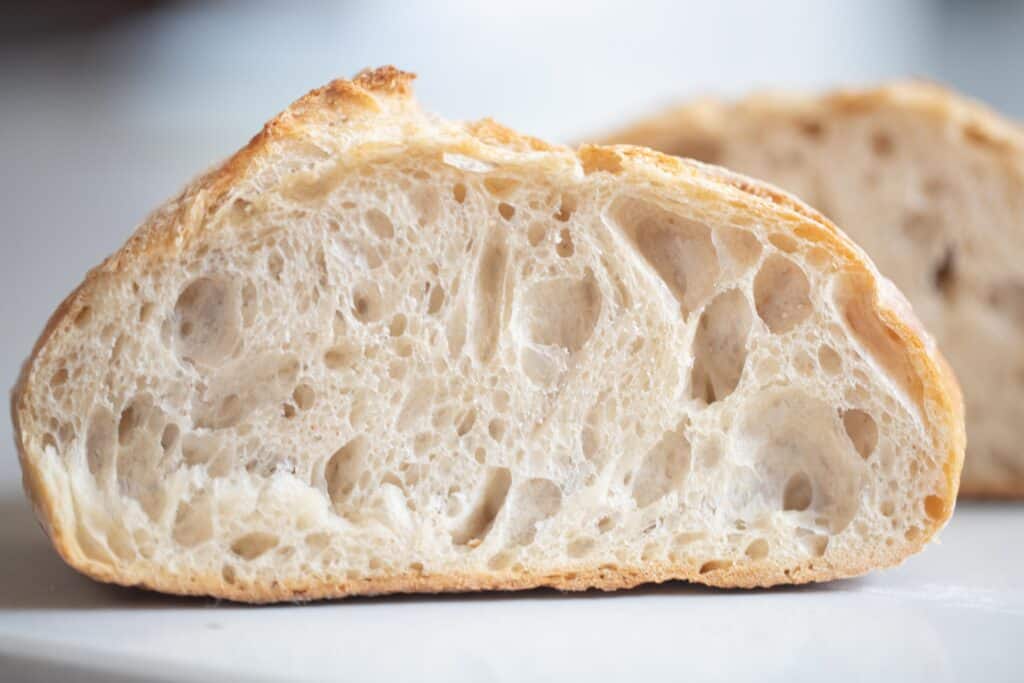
{"points": [[804, 364], [881, 144], [815, 544], [339, 358], [193, 522], [501, 400], [562, 312], [466, 422], [131, 417], [678, 248], [536, 500], [535, 233], [506, 210], [275, 264], [945, 273], [499, 186], [605, 524], [254, 544], [59, 378], [935, 187], [781, 294], [304, 396], [318, 540], [819, 258], [502, 560], [146, 312], [403, 348], [486, 323], [829, 360], [720, 347], [862, 430], [343, 469], [663, 469], [397, 326], [100, 440], [935, 507], [416, 404], [714, 566], [921, 226], [459, 192], [566, 209], [758, 549], [496, 428], [811, 129], [49, 441], [564, 247], [366, 304], [83, 317], [798, 493], [169, 438], [65, 433], [207, 319], [436, 299], [580, 547], [229, 411], [486, 508], [480, 455], [397, 370], [228, 574], [380, 224]]}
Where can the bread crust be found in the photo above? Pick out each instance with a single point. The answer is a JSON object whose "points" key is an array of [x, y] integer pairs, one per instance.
{"points": [[382, 98], [701, 126]]}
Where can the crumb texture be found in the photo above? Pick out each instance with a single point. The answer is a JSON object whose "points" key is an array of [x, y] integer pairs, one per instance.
{"points": [[436, 365]]}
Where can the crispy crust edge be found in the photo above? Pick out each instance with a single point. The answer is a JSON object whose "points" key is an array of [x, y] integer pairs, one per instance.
{"points": [[362, 98]]}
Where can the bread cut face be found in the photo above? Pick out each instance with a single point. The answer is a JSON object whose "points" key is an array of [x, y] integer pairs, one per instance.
{"points": [[381, 352], [932, 187]]}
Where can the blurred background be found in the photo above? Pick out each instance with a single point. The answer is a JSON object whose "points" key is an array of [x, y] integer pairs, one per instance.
{"points": [[107, 108]]}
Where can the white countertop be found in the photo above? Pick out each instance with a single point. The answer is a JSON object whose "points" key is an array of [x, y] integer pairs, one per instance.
{"points": [[955, 612]]}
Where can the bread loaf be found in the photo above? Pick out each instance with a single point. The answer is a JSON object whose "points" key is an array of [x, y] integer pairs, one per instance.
{"points": [[376, 351], [931, 185]]}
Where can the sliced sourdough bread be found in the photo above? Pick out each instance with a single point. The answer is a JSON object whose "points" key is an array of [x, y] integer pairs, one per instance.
{"points": [[931, 185], [377, 351]]}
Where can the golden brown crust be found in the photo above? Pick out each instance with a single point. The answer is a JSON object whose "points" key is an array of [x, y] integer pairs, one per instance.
{"points": [[169, 229]]}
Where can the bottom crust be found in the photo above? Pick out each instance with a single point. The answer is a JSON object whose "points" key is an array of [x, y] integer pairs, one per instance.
{"points": [[603, 578]]}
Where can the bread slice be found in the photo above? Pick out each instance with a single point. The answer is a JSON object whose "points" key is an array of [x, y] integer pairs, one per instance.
{"points": [[931, 185], [377, 351]]}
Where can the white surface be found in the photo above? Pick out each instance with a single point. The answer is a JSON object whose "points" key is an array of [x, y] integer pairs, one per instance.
{"points": [[955, 612], [98, 129]]}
